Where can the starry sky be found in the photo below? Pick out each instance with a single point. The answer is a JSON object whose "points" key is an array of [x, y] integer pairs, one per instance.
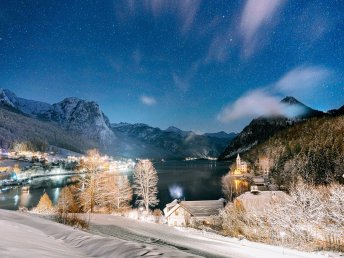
{"points": [[198, 65]]}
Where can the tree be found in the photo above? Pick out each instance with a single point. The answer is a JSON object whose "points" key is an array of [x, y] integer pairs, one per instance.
{"points": [[233, 186], [45, 205], [113, 191], [124, 192], [145, 184], [66, 202], [92, 166]]}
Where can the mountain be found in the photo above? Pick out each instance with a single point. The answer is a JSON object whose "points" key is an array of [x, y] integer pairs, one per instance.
{"points": [[337, 112], [260, 129], [16, 127], [84, 118], [75, 115], [174, 141], [29, 107], [81, 116], [297, 110], [221, 135]]}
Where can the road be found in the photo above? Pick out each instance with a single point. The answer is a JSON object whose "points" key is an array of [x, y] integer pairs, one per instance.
{"points": [[191, 241]]}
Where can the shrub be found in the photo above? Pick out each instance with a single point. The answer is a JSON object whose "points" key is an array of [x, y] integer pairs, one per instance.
{"points": [[72, 219]]}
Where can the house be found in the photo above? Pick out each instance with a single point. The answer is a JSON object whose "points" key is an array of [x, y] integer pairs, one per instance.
{"points": [[183, 213], [260, 182], [259, 201]]}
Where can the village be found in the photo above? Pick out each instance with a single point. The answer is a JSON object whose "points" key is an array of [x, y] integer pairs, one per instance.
{"points": [[18, 168]]}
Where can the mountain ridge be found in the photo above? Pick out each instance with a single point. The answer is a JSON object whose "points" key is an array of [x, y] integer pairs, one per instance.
{"points": [[262, 128], [135, 140]]}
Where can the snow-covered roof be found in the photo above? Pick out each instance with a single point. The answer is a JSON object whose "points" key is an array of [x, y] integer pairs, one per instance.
{"points": [[261, 200], [198, 208]]}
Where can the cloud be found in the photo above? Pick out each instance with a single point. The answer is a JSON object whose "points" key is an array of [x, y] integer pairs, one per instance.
{"points": [[185, 10], [255, 17], [265, 101], [148, 100], [252, 104], [218, 50], [301, 79], [183, 82]]}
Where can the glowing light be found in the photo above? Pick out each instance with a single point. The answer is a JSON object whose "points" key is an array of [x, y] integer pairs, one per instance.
{"points": [[16, 199], [176, 191]]}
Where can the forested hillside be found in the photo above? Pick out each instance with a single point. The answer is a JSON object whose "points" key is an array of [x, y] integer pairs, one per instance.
{"points": [[313, 149], [15, 127]]}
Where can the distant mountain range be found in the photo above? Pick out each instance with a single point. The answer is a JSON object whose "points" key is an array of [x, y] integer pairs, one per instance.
{"points": [[262, 128], [85, 118]]}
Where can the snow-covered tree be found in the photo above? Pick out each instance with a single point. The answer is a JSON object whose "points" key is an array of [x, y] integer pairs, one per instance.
{"points": [[145, 184]]}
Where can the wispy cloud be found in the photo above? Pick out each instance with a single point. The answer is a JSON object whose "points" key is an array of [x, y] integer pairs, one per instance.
{"points": [[185, 10], [219, 49], [265, 101], [256, 16], [301, 79], [148, 100], [183, 83]]}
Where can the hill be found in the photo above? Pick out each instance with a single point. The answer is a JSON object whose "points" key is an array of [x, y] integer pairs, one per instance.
{"points": [[312, 149]]}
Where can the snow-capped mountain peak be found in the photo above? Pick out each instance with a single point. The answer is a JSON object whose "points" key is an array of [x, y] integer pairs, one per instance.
{"points": [[81, 116]]}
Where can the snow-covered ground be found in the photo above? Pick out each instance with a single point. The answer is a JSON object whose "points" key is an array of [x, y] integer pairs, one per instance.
{"points": [[26, 235], [193, 241]]}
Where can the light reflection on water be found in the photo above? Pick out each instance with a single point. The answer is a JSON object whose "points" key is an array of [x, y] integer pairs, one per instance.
{"points": [[195, 180]]}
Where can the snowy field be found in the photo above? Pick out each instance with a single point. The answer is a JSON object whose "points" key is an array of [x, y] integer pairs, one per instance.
{"points": [[194, 242], [26, 235]]}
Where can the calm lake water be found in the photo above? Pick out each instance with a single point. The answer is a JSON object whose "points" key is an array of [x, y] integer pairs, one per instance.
{"points": [[192, 180]]}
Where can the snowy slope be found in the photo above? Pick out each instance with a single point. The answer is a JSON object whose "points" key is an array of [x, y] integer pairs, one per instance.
{"points": [[195, 242], [29, 107], [23, 235]]}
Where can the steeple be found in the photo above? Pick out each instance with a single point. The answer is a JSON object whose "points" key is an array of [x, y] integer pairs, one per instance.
{"points": [[238, 161]]}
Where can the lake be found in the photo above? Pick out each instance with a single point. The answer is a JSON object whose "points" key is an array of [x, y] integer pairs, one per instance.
{"points": [[189, 180]]}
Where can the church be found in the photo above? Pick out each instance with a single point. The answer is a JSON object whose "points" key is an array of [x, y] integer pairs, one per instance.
{"points": [[241, 166]]}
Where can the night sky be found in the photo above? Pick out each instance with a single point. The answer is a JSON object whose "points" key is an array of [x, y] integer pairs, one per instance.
{"points": [[198, 65]]}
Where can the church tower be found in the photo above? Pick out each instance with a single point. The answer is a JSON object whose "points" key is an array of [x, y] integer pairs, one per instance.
{"points": [[238, 162]]}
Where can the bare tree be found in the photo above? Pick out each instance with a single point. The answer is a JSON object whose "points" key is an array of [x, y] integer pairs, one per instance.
{"points": [[66, 202], [125, 193], [145, 184], [93, 165]]}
